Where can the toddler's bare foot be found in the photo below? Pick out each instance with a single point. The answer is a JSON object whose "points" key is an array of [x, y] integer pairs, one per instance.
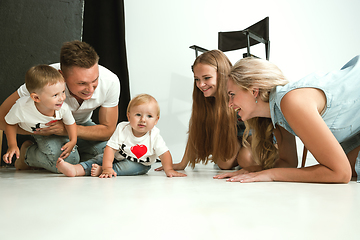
{"points": [[96, 170], [20, 162], [66, 168]]}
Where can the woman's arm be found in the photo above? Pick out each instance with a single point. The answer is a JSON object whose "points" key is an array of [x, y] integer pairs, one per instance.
{"points": [[286, 144], [302, 113]]}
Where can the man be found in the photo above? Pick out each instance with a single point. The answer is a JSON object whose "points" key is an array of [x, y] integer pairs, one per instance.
{"points": [[88, 86]]}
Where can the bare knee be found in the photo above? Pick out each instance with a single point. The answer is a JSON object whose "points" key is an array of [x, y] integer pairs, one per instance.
{"points": [[245, 158]]}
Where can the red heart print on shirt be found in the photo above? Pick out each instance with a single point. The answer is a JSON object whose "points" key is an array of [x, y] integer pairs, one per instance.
{"points": [[139, 150]]}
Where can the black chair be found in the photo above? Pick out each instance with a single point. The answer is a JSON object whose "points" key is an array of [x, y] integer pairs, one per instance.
{"points": [[256, 33], [198, 49], [229, 41]]}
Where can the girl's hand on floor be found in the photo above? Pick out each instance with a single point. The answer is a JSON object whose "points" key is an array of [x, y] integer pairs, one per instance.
{"points": [[176, 166], [173, 173]]}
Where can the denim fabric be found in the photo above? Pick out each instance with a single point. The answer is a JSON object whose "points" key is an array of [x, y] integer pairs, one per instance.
{"points": [[122, 168], [46, 150], [357, 167], [341, 114]]}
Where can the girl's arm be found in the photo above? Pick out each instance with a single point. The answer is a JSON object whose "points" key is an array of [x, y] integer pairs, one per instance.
{"points": [[10, 131], [108, 159], [166, 161], [302, 113], [181, 165], [68, 147]]}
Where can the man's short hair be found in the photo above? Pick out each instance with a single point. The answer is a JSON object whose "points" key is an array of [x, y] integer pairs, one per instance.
{"points": [[79, 54]]}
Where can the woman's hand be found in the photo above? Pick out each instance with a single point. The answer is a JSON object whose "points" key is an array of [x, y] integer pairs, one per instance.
{"points": [[262, 176], [231, 174], [245, 170]]}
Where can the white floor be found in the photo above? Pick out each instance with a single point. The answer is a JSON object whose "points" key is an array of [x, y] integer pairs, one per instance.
{"points": [[41, 205]]}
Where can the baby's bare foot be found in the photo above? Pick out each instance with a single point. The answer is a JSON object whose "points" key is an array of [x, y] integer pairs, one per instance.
{"points": [[66, 168], [96, 170]]}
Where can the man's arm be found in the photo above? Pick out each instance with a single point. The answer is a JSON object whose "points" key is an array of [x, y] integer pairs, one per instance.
{"points": [[5, 108], [108, 118], [101, 132]]}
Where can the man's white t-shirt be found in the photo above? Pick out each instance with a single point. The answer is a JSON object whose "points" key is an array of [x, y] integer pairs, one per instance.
{"points": [[25, 113], [144, 150], [105, 95]]}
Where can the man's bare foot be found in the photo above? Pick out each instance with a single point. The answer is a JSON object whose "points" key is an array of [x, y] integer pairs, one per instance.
{"points": [[96, 170], [20, 162], [66, 168]]}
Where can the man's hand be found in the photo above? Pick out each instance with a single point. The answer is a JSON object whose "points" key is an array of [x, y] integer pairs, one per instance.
{"points": [[55, 128]]}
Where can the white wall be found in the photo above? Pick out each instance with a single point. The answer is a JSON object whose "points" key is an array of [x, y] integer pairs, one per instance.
{"points": [[305, 36]]}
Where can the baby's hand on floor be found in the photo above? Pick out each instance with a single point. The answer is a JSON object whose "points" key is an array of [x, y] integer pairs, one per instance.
{"points": [[107, 173]]}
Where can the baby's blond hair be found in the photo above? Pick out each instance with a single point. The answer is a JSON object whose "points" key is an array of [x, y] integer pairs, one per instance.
{"points": [[141, 99]]}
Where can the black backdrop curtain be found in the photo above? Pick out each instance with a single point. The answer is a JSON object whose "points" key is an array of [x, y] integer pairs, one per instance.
{"points": [[104, 29]]}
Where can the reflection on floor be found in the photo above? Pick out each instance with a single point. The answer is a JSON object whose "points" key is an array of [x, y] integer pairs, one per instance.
{"points": [[41, 205]]}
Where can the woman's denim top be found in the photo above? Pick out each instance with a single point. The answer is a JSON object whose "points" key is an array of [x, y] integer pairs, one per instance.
{"points": [[342, 91]]}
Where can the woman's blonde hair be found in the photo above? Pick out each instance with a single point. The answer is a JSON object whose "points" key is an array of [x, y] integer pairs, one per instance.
{"points": [[212, 127], [261, 74]]}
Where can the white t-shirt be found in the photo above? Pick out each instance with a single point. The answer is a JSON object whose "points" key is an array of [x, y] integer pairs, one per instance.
{"points": [[25, 113], [105, 95], [143, 149]]}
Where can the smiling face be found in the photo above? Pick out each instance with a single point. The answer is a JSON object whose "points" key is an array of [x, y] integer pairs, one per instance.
{"points": [[241, 100], [49, 98], [205, 77], [82, 82], [143, 118]]}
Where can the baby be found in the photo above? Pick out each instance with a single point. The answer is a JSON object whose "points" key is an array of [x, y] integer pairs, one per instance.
{"points": [[132, 148]]}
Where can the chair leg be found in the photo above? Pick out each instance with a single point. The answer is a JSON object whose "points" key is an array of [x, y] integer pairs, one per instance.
{"points": [[304, 157], [267, 50]]}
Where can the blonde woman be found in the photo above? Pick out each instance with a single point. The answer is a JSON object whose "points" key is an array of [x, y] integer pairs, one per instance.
{"points": [[213, 134], [321, 109]]}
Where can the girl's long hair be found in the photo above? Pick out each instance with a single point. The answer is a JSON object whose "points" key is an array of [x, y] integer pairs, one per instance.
{"points": [[259, 73], [212, 127]]}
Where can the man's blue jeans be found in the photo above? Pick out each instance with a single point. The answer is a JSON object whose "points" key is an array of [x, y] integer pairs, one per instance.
{"points": [[46, 150]]}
